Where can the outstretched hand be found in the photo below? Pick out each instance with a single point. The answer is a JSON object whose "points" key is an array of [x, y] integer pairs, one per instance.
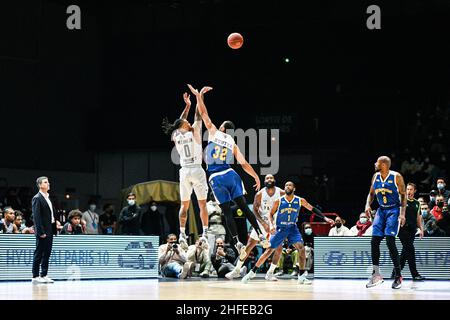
{"points": [[194, 91], [205, 90], [187, 98], [330, 221]]}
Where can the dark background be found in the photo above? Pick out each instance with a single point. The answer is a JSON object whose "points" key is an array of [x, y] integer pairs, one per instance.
{"points": [[354, 93]]}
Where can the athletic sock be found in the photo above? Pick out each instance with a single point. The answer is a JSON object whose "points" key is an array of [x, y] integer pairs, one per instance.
{"points": [[272, 268], [205, 229], [183, 230], [239, 264], [376, 269], [254, 269], [236, 239]]}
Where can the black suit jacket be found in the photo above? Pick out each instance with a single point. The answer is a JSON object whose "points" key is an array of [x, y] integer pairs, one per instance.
{"points": [[42, 216]]}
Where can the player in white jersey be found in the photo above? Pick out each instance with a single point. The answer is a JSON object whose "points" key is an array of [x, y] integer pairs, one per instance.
{"points": [[262, 205], [188, 142]]}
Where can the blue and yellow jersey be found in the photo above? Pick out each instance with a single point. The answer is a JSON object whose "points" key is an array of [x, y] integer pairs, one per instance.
{"points": [[287, 213], [386, 190], [219, 152]]}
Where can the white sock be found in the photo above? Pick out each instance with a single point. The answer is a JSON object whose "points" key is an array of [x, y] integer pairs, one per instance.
{"points": [[183, 230], [239, 265], [205, 229], [272, 268]]}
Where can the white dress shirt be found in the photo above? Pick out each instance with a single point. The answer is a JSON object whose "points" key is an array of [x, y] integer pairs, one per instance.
{"points": [[47, 198]]}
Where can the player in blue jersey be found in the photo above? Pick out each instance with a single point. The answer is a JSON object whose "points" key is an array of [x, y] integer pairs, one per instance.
{"points": [[287, 209], [389, 188], [225, 183]]}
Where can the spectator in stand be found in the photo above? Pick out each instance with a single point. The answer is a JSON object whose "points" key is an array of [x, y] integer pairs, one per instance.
{"points": [[223, 258], [108, 220], [444, 222], [339, 230], [440, 184], [433, 230], [308, 239], [131, 217], [173, 259], [361, 226], [8, 225], [74, 225], [427, 217], [18, 221], [198, 254], [91, 219], [437, 210], [151, 221]]}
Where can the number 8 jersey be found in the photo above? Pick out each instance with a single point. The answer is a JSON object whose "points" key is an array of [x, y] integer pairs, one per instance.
{"points": [[219, 152], [387, 190], [187, 145]]}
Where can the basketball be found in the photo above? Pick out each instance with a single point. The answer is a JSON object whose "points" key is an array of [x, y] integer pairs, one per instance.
{"points": [[235, 40]]}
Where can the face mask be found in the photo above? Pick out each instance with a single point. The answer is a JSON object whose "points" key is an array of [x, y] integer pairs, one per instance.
{"points": [[131, 202], [338, 225], [440, 204], [440, 186], [308, 231], [424, 213], [92, 207], [153, 208], [363, 220]]}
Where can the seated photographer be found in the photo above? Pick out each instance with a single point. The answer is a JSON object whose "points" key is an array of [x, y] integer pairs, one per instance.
{"points": [[7, 223], [198, 255], [173, 259], [74, 224], [223, 259]]}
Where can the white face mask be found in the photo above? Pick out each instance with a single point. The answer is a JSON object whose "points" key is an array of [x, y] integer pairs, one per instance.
{"points": [[363, 220], [92, 207], [153, 208], [131, 202]]}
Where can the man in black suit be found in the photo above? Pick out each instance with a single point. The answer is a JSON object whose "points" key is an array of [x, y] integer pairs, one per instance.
{"points": [[45, 228]]}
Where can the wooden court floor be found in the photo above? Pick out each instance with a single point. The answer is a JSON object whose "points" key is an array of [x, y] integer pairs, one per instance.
{"points": [[214, 289]]}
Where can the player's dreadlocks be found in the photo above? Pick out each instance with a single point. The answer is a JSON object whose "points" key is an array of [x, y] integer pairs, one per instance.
{"points": [[169, 127]]}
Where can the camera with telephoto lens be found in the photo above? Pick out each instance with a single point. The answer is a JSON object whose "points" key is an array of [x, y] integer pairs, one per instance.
{"points": [[174, 246]]}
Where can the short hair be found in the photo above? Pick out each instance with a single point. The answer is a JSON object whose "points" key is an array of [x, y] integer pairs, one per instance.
{"points": [[440, 178], [228, 125], [170, 235], [106, 205], [131, 194], [39, 180], [8, 208], [74, 213], [412, 185], [386, 160], [289, 181], [18, 214]]}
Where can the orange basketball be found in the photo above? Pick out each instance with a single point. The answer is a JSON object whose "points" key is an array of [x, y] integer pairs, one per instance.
{"points": [[235, 40]]}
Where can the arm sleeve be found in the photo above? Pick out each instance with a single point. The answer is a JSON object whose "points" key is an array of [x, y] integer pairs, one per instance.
{"points": [[318, 213]]}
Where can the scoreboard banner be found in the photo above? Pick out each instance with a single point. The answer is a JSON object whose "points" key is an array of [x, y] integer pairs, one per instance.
{"points": [[77, 257], [350, 257]]}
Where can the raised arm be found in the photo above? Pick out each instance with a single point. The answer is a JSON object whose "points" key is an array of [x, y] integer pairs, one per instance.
{"points": [[403, 199], [202, 108], [316, 211], [246, 166], [187, 100], [370, 198]]}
